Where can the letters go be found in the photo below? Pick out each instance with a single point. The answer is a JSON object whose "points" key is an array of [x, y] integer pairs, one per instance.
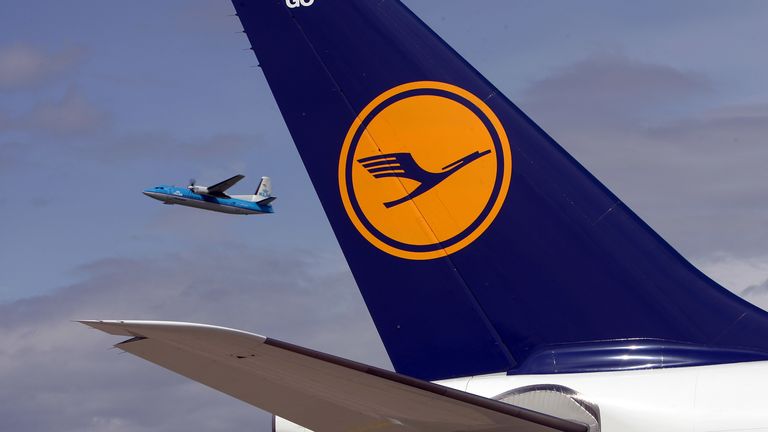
{"points": [[298, 3]]}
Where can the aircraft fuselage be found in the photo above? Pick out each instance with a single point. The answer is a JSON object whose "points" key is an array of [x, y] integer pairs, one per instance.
{"points": [[723, 398], [185, 197]]}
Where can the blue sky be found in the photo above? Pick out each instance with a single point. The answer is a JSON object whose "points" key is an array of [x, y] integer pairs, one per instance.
{"points": [[165, 96], [667, 103]]}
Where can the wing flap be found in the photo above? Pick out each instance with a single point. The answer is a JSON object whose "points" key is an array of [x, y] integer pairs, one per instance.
{"points": [[316, 390]]}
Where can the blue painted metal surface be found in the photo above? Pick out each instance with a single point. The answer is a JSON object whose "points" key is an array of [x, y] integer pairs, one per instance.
{"points": [[224, 202], [564, 262], [629, 354]]}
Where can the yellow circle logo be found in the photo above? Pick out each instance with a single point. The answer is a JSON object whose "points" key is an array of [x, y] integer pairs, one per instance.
{"points": [[424, 170]]}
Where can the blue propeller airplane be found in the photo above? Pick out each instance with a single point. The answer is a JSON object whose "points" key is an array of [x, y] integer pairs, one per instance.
{"points": [[214, 198]]}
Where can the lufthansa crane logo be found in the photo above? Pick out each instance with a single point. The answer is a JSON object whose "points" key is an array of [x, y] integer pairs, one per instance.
{"points": [[424, 170]]}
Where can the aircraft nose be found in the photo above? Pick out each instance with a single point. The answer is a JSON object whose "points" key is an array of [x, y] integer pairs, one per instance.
{"points": [[150, 193]]}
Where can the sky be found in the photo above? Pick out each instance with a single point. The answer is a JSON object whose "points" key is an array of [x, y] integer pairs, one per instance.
{"points": [[665, 102]]}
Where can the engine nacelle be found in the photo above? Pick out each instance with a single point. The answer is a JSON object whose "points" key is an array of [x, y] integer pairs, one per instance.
{"points": [[200, 190], [555, 400]]}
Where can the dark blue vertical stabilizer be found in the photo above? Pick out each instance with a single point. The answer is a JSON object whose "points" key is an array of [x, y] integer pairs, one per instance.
{"points": [[478, 243]]}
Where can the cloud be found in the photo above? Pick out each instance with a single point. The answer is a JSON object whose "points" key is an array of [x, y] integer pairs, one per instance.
{"points": [[708, 171], [606, 85], [731, 126], [726, 145], [60, 375], [160, 145], [744, 276], [757, 291], [634, 126], [73, 114], [24, 66]]}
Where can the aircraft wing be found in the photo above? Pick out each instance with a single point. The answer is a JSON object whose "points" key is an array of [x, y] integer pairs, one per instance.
{"points": [[221, 187], [315, 390]]}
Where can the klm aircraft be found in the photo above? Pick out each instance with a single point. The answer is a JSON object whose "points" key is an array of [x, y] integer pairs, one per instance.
{"points": [[512, 290], [214, 198]]}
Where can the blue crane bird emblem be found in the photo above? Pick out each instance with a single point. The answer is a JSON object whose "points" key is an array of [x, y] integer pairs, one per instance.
{"points": [[403, 165]]}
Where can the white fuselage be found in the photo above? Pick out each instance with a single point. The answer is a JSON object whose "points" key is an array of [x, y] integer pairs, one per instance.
{"points": [[721, 398]]}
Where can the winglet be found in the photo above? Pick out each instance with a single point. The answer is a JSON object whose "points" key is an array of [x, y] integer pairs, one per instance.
{"points": [[110, 327], [158, 329]]}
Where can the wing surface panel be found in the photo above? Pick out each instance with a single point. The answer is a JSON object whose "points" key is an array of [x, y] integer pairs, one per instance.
{"points": [[221, 187], [316, 390]]}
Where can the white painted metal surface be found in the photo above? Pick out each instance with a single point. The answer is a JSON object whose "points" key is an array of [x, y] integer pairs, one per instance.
{"points": [[316, 392], [702, 399], [722, 398]]}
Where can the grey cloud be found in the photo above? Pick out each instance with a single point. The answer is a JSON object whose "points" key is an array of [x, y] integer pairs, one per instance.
{"points": [[706, 177], [82, 133], [742, 275], [59, 375], [81, 127], [759, 292], [24, 66], [728, 148], [731, 126], [162, 145], [609, 85], [698, 169], [72, 114]]}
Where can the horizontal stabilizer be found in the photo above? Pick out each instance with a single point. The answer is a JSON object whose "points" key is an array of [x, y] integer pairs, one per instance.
{"points": [[318, 391], [267, 201]]}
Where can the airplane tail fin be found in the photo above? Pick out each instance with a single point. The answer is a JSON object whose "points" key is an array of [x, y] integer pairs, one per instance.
{"points": [[263, 194], [538, 268]]}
